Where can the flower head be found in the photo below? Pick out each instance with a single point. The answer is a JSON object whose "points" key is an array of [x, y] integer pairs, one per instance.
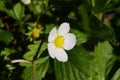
{"points": [[60, 40], [35, 33]]}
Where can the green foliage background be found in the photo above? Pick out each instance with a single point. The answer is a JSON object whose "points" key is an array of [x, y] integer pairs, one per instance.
{"points": [[96, 24]]}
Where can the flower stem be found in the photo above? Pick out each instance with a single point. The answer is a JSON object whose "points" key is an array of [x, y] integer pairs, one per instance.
{"points": [[33, 70]]}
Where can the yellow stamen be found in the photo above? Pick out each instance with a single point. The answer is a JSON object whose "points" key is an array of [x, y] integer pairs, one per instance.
{"points": [[59, 41]]}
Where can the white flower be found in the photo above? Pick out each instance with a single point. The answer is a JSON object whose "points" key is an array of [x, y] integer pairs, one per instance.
{"points": [[60, 40], [26, 2]]}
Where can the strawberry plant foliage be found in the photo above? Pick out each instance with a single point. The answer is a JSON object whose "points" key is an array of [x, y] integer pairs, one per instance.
{"points": [[35, 34]]}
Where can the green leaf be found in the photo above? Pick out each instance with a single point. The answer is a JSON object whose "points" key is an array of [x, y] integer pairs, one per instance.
{"points": [[10, 13], [85, 18], [100, 31], [1, 24], [49, 28], [25, 64], [1, 5], [18, 11], [101, 5], [42, 49], [38, 7], [77, 67], [5, 9], [95, 28], [5, 36], [6, 52], [80, 36], [41, 66], [104, 60], [33, 49], [116, 75]]}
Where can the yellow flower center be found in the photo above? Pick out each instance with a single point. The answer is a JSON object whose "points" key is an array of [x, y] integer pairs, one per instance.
{"points": [[59, 41]]}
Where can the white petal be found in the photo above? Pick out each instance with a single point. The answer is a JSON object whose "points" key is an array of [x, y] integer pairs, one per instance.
{"points": [[26, 2], [52, 34], [64, 28], [51, 50], [61, 55], [70, 41]]}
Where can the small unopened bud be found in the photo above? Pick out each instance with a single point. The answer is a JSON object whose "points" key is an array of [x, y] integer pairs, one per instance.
{"points": [[39, 25], [26, 2]]}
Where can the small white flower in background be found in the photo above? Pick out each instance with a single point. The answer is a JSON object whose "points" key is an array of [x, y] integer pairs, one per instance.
{"points": [[60, 40], [26, 2]]}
